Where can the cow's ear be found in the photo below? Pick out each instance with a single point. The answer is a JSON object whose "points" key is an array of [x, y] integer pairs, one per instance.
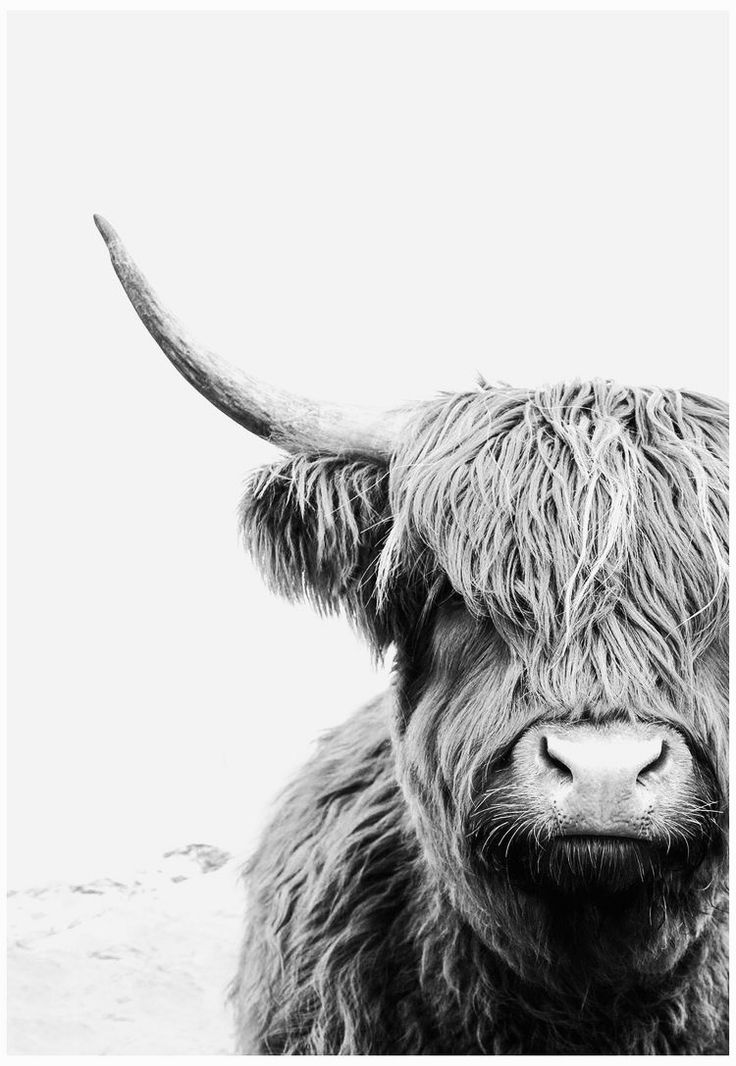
{"points": [[315, 528]]}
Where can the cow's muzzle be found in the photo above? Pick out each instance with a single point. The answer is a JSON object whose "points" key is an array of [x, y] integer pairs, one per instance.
{"points": [[590, 807]]}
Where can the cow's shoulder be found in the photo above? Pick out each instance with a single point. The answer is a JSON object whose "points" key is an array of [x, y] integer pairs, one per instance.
{"points": [[328, 895]]}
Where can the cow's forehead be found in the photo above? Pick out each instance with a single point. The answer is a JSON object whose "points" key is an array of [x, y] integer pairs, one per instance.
{"points": [[576, 510]]}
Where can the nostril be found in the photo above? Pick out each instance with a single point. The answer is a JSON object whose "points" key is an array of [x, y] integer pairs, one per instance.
{"points": [[654, 765], [552, 760]]}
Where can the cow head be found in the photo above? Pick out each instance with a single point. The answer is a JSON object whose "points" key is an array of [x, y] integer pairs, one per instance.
{"points": [[550, 568], [561, 720]]}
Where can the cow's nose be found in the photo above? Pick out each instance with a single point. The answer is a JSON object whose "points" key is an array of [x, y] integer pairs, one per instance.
{"points": [[598, 762], [607, 781]]}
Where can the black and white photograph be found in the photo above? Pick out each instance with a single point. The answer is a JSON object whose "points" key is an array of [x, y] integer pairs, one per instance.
{"points": [[367, 532]]}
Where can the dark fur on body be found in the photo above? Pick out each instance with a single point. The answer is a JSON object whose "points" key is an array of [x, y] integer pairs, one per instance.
{"points": [[551, 555]]}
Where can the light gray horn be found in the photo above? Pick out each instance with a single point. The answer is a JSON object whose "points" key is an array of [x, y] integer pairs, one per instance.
{"points": [[292, 422]]}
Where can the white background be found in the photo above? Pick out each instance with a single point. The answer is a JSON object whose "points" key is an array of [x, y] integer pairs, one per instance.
{"points": [[366, 207]]}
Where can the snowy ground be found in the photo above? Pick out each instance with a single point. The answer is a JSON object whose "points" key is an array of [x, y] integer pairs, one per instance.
{"points": [[127, 967]]}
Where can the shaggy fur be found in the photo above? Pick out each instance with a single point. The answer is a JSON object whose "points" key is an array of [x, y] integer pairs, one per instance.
{"points": [[531, 556]]}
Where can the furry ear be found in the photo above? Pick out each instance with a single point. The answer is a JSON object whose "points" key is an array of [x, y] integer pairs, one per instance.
{"points": [[315, 528]]}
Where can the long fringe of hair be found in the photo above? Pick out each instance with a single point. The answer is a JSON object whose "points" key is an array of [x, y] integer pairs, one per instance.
{"points": [[586, 516], [587, 521]]}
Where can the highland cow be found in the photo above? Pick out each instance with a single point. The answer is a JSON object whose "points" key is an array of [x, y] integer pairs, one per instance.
{"points": [[520, 847]]}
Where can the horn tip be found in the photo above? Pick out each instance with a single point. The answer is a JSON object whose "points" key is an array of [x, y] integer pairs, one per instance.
{"points": [[109, 235]]}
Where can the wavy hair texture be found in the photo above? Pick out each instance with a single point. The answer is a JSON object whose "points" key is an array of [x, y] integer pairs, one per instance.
{"points": [[555, 554], [589, 522]]}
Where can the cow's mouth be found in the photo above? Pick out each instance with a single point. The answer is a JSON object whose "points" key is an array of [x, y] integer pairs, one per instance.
{"points": [[595, 863], [596, 866]]}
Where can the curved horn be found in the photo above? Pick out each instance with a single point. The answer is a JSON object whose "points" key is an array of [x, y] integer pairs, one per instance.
{"points": [[292, 422]]}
